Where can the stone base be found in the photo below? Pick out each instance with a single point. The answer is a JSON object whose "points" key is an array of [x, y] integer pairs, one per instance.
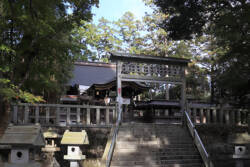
{"points": [[31, 164], [74, 157]]}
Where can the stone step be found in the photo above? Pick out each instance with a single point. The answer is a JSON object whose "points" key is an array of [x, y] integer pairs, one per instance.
{"points": [[147, 138], [151, 162], [162, 127], [154, 145], [153, 142], [169, 165], [153, 133], [138, 125], [153, 136], [160, 152], [153, 157]]}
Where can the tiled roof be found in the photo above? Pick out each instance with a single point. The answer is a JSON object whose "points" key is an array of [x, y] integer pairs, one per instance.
{"points": [[92, 73]]}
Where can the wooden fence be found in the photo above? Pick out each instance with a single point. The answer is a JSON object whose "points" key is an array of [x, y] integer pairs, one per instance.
{"points": [[63, 115], [217, 115]]}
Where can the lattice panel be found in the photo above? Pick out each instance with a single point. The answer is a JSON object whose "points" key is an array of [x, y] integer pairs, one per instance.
{"points": [[152, 70]]}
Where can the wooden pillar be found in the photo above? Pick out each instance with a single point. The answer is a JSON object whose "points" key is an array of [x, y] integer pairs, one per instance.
{"points": [[107, 116], [194, 114], [167, 92], [114, 115], [183, 90], [201, 116], [88, 116], [221, 115], [248, 122], [78, 118], [227, 117], [98, 116], [58, 115], [26, 114], [238, 117], [208, 120], [15, 110], [47, 115], [232, 115], [119, 88], [183, 94], [68, 116], [37, 114], [244, 119], [167, 98], [214, 115]]}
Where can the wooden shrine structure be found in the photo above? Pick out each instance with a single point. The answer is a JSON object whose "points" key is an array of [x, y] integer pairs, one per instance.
{"points": [[138, 70], [143, 68], [133, 69]]}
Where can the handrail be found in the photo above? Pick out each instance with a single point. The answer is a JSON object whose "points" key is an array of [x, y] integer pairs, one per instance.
{"points": [[197, 140], [62, 105], [61, 115], [112, 146]]}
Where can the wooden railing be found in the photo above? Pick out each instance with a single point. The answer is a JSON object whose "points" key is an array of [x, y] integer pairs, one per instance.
{"points": [[205, 114], [63, 115], [198, 142]]}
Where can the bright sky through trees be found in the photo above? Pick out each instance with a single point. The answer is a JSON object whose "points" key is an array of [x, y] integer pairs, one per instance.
{"points": [[113, 9]]}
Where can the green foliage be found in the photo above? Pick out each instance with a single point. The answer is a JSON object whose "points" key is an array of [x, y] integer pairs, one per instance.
{"points": [[140, 37], [38, 46], [10, 92], [226, 25]]}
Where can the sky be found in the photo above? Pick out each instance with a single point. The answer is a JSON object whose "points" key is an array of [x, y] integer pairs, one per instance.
{"points": [[112, 10]]}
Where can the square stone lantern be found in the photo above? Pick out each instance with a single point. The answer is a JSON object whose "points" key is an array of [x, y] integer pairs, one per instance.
{"points": [[23, 141], [50, 136], [74, 140]]}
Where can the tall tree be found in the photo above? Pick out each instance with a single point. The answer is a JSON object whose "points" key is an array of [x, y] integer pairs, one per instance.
{"points": [[36, 43], [156, 40], [228, 22], [130, 31]]}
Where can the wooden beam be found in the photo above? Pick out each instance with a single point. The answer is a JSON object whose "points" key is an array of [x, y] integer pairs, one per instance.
{"points": [[148, 59], [139, 78]]}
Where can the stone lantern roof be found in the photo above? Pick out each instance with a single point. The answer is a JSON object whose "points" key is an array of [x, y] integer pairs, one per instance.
{"points": [[24, 135], [75, 138]]}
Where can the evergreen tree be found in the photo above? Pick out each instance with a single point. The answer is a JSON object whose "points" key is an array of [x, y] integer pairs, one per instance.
{"points": [[37, 46]]}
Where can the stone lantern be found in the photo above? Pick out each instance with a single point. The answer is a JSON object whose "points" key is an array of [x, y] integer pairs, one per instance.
{"points": [[24, 142], [74, 140], [50, 136], [50, 148]]}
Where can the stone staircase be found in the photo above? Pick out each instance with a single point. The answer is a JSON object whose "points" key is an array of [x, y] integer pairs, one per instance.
{"points": [[155, 145]]}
